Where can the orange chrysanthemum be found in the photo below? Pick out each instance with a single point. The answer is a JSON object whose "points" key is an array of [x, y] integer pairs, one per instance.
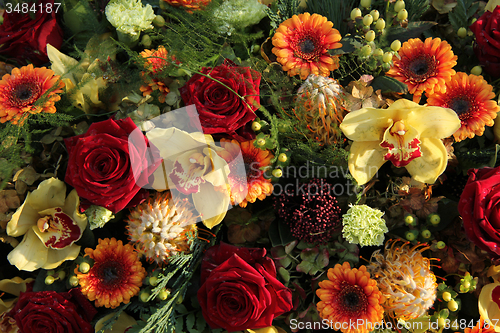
{"points": [[155, 63], [470, 96], [254, 185], [302, 43], [28, 90], [115, 276], [190, 5], [424, 66], [350, 299]]}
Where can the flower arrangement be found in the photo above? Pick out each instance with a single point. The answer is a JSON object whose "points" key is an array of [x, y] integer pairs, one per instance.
{"points": [[248, 166]]}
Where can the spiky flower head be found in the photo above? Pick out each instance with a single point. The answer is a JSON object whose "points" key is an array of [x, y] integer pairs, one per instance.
{"points": [[405, 279], [162, 228], [318, 107], [314, 215], [364, 225]]}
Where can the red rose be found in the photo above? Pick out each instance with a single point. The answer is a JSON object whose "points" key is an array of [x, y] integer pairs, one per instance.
{"points": [[110, 163], [25, 38], [53, 312], [241, 292], [220, 110], [480, 209], [487, 47]]}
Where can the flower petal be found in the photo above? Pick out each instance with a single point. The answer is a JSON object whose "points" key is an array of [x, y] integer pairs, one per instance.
{"points": [[211, 204], [488, 304], [49, 194], [431, 164], [30, 254], [433, 121], [367, 124], [365, 158], [56, 257], [23, 219], [403, 146]]}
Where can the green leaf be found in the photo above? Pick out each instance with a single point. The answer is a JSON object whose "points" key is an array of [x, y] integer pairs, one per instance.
{"points": [[349, 45], [389, 84], [190, 320], [413, 30], [200, 322]]}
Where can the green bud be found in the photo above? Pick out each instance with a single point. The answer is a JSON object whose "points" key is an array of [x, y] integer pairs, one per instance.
{"points": [[61, 275], [180, 299], [84, 267], [366, 3], [411, 219], [367, 20], [153, 281], [441, 245], [261, 142], [410, 236], [476, 70], [402, 15], [426, 234], [163, 294], [399, 6], [366, 50], [434, 219], [387, 57], [282, 157], [49, 280], [159, 21], [453, 305], [256, 126], [462, 32], [356, 12], [73, 281], [446, 296], [146, 41], [143, 296], [441, 322], [378, 53], [466, 284], [396, 45], [380, 24], [375, 14], [277, 173], [370, 36]]}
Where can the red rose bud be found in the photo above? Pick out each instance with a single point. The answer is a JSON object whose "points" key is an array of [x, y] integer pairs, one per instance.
{"points": [[487, 45], [26, 39], [479, 206]]}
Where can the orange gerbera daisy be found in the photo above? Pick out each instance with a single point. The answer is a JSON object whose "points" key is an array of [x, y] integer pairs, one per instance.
{"points": [[248, 184], [470, 96], [424, 66], [350, 300], [302, 43], [155, 63], [190, 5], [115, 276], [28, 90]]}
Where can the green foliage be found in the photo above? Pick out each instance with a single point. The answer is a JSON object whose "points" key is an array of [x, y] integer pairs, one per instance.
{"points": [[413, 30], [282, 10], [461, 15], [335, 11], [416, 8]]}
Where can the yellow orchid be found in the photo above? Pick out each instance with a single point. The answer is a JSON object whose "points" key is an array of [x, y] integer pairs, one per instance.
{"points": [[489, 304], [407, 134], [191, 165], [50, 223], [491, 5]]}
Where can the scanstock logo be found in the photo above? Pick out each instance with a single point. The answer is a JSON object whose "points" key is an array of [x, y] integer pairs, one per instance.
{"points": [[191, 168]]}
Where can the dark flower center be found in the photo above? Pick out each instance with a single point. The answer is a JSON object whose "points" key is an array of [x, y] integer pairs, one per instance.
{"points": [[419, 67], [353, 298], [24, 93], [460, 106], [110, 273], [307, 46]]}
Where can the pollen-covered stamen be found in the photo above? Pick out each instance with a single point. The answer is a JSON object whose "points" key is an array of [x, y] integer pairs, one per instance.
{"points": [[402, 142]]}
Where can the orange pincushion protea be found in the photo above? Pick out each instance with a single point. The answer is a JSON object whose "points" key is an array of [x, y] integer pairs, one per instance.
{"points": [[28, 90], [155, 62], [190, 5], [301, 45], [470, 96], [254, 185], [424, 66], [115, 276], [350, 297]]}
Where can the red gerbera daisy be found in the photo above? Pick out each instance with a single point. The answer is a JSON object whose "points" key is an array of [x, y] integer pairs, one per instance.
{"points": [[302, 44], [28, 90], [470, 96], [115, 276], [249, 184], [424, 66]]}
